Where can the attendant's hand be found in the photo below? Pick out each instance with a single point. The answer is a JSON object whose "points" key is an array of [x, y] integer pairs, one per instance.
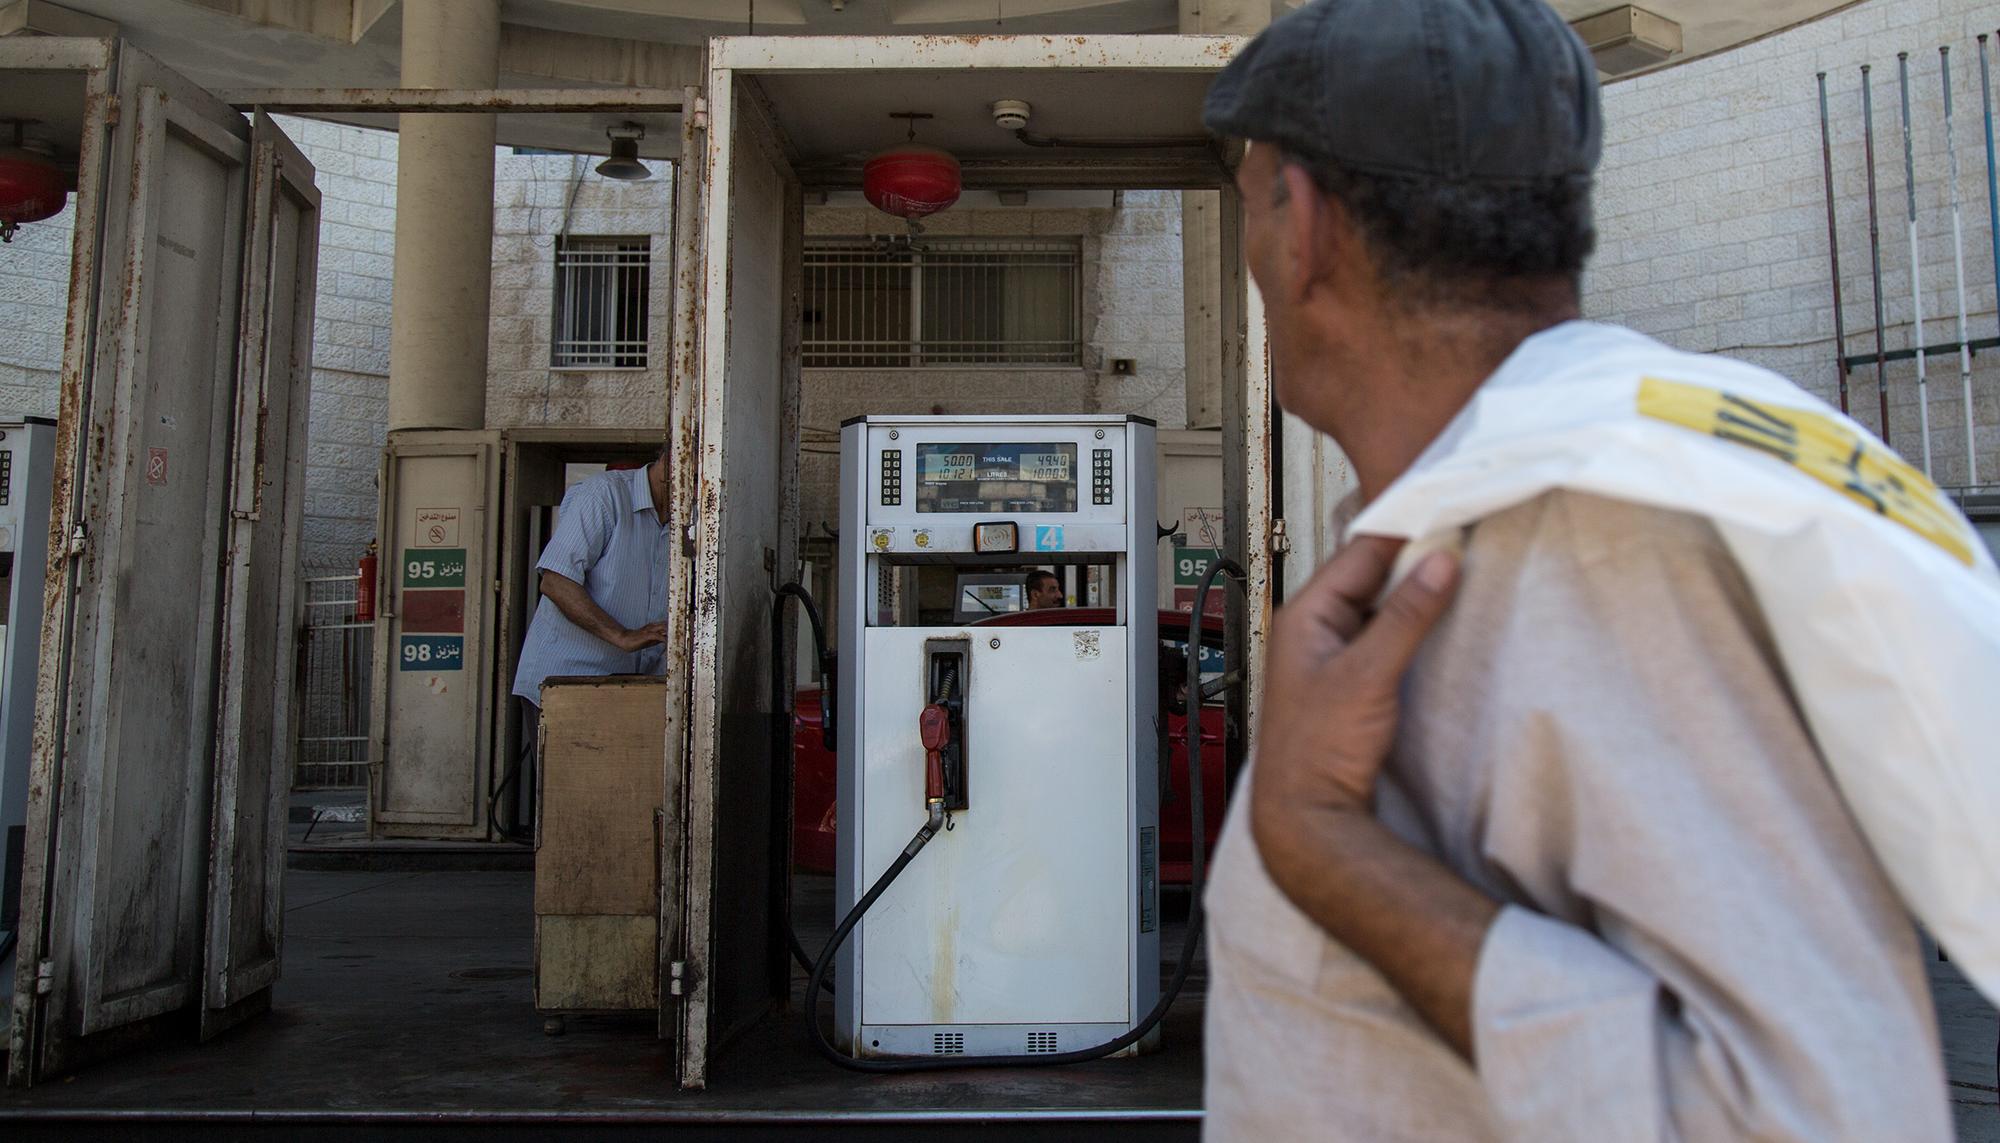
{"points": [[640, 638]]}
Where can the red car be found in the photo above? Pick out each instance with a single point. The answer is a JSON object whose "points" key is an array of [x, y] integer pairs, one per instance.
{"points": [[815, 772]]}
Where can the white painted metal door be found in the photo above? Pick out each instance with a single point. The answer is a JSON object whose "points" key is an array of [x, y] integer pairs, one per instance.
{"points": [[125, 781], [260, 612], [433, 654]]}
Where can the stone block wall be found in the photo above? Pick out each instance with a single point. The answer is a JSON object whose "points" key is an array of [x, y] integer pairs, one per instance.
{"points": [[1138, 310], [536, 198], [1712, 213], [34, 295], [350, 398]]}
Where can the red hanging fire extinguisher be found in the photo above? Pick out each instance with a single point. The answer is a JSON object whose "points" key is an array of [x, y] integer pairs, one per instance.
{"points": [[364, 586]]}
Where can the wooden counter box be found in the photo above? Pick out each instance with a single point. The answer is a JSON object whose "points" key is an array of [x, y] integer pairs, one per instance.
{"points": [[601, 770]]}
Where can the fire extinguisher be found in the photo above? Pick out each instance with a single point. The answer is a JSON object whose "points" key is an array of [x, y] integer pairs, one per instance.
{"points": [[364, 586]]}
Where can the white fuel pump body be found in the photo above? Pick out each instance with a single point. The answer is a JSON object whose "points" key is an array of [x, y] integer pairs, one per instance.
{"points": [[1032, 925]]}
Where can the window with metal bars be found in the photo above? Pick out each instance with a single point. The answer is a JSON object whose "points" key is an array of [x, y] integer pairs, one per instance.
{"points": [[601, 302], [940, 302]]}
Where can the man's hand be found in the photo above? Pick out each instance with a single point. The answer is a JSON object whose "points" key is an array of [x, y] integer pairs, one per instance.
{"points": [[1332, 677], [1331, 705], [640, 638], [575, 603]]}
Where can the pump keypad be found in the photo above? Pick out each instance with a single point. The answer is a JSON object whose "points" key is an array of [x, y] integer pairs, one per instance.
{"points": [[1100, 476], [6, 476], [892, 476]]}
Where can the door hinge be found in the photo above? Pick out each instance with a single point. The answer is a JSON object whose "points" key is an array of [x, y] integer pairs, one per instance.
{"points": [[701, 113], [676, 978], [1281, 541], [45, 978], [111, 111], [79, 539], [252, 515]]}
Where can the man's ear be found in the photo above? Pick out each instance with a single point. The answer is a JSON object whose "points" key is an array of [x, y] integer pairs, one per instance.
{"points": [[1308, 219]]}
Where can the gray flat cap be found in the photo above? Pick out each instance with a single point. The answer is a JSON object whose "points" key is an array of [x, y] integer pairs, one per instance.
{"points": [[1490, 91]]}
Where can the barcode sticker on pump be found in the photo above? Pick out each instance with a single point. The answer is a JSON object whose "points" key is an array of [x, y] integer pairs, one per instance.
{"points": [[1149, 895]]}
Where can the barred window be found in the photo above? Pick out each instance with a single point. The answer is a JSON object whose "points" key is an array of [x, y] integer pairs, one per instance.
{"points": [[601, 302], [938, 302]]}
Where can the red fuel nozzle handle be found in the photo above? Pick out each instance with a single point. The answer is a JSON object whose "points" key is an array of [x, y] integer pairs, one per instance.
{"points": [[934, 726]]}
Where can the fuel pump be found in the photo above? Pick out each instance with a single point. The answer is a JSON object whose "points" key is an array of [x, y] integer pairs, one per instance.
{"points": [[941, 790], [1036, 929]]}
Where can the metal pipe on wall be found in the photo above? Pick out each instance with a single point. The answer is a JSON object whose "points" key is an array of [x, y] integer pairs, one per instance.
{"points": [[1916, 264], [1958, 262], [1875, 248], [1833, 243], [1992, 174]]}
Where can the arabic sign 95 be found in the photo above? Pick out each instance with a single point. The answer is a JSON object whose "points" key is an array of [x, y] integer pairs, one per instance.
{"points": [[434, 567]]}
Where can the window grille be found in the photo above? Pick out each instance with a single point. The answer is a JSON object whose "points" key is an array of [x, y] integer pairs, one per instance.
{"points": [[601, 302], [892, 305]]}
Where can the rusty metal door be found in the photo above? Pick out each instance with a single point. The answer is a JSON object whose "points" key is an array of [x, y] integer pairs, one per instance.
{"points": [[745, 541], [683, 417], [260, 612], [124, 781]]}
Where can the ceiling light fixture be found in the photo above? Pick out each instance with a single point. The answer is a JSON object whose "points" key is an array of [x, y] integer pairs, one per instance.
{"points": [[624, 161], [1626, 39]]}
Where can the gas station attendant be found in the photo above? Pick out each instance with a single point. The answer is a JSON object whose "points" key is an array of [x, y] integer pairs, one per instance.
{"points": [[603, 582]]}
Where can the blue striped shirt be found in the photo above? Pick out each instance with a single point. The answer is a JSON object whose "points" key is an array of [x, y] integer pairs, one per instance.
{"points": [[611, 541]]}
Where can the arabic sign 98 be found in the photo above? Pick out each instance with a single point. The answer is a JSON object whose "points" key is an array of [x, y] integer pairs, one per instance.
{"points": [[433, 653], [434, 567]]}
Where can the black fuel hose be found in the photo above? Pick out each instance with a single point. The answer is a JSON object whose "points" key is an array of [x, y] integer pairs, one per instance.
{"points": [[781, 751], [1199, 874], [1189, 943]]}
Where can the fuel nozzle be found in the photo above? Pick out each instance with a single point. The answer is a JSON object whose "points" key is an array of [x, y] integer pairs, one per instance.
{"points": [[934, 727]]}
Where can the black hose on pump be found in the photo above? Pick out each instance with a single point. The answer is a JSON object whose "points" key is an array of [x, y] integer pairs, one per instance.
{"points": [[781, 751]]}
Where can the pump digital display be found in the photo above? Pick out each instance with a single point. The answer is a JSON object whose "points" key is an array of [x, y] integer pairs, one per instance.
{"points": [[996, 477]]}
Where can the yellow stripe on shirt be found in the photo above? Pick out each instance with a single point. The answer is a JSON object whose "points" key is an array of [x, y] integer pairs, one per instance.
{"points": [[1859, 468]]}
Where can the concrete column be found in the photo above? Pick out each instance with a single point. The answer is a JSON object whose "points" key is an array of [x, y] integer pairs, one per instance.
{"points": [[1201, 232], [444, 223]]}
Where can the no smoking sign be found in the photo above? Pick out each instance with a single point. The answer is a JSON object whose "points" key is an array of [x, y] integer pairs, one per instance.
{"points": [[436, 528]]}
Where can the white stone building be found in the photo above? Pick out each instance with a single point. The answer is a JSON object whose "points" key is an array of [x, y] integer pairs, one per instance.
{"points": [[1710, 205], [1712, 223]]}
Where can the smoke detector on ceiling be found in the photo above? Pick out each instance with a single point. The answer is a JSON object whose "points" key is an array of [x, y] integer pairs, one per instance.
{"points": [[1011, 114], [1627, 39]]}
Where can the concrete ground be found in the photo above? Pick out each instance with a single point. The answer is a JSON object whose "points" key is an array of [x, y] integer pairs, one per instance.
{"points": [[1971, 1032], [407, 998], [408, 992]]}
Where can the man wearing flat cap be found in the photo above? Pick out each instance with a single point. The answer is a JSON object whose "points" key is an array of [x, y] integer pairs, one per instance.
{"points": [[1536, 844]]}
